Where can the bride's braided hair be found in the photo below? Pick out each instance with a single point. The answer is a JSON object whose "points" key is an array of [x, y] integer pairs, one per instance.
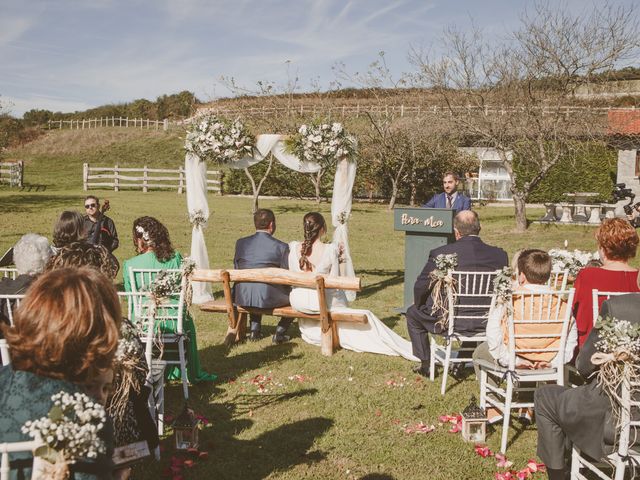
{"points": [[313, 224]]}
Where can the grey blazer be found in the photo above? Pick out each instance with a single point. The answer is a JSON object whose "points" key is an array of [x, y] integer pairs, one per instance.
{"points": [[261, 250], [591, 426]]}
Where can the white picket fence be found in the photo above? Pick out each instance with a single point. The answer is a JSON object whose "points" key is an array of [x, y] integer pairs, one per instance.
{"points": [[125, 122], [144, 178], [12, 173]]}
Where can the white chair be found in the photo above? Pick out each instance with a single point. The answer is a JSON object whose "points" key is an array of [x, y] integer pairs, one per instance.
{"points": [[14, 447], [12, 302], [4, 352], [597, 296], [558, 279], [547, 307], [11, 273], [472, 300], [170, 309], [626, 436]]}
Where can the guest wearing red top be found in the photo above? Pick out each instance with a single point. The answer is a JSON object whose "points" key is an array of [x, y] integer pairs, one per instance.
{"points": [[617, 244]]}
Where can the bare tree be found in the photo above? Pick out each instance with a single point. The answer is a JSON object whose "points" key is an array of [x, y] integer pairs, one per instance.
{"points": [[508, 94]]}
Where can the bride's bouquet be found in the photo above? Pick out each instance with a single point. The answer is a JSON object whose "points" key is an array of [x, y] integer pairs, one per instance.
{"points": [[321, 143], [68, 433], [219, 140]]}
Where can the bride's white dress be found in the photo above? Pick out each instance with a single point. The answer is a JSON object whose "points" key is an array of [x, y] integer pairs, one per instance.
{"points": [[374, 337]]}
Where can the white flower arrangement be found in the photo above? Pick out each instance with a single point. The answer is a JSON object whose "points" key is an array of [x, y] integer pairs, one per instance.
{"points": [[322, 143], [440, 284], [71, 428], [618, 335], [573, 261], [503, 285], [128, 344], [164, 284], [219, 140], [198, 218], [447, 262]]}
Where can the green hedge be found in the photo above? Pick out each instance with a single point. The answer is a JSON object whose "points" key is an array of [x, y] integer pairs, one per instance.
{"points": [[591, 169]]}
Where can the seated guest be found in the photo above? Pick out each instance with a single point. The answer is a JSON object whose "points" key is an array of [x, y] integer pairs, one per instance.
{"points": [[65, 334], [450, 197], [69, 228], [534, 270], [79, 254], [151, 241], [30, 255], [617, 244], [473, 256], [580, 415]]}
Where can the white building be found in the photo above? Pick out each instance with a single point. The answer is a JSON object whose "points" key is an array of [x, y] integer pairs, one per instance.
{"points": [[492, 182]]}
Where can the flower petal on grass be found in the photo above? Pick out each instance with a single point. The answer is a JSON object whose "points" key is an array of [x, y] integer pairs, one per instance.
{"points": [[483, 451], [502, 461]]}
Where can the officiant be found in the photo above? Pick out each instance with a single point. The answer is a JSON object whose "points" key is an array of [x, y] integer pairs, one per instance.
{"points": [[450, 197]]}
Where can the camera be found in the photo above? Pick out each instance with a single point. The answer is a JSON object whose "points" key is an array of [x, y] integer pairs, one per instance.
{"points": [[621, 192]]}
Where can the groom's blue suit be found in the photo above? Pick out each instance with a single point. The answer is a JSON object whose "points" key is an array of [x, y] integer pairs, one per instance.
{"points": [[461, 202]]}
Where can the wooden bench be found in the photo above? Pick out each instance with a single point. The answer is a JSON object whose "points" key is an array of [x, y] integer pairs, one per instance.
{"points": [[238, 316]]}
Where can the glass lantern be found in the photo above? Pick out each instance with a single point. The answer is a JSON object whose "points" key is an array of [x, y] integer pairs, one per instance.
{"points": [[185, 430], [474, 423]]}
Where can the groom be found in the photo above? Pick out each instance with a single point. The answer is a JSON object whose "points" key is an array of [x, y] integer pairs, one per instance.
{"points": [[262, 250]]}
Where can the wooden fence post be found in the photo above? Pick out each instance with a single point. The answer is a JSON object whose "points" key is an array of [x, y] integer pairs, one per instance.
{"points": [[21, 174], [116, 179], [127, 124], [181, 179], [85, 176], [144, 180], [221, 177], [165, 124]]}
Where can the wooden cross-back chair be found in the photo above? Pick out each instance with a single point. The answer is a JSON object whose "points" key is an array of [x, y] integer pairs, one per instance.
{"points": [[237, 315]]}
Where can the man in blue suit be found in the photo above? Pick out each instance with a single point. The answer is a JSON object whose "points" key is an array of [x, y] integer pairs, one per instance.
{"points": [[450, 198], [262, 250]]}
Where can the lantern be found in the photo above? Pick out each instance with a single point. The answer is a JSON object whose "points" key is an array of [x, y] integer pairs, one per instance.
{"points": [[185, 430], [474, 423]]}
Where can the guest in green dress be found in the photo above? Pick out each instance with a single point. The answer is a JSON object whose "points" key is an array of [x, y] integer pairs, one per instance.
{"points": [[64, 336], [151, 240]]}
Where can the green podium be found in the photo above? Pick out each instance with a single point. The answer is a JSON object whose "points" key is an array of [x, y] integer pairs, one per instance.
{"points": [[425, 229]]}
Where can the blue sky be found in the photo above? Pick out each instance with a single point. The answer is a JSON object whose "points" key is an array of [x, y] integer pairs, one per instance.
{"points": [[67, 55]]}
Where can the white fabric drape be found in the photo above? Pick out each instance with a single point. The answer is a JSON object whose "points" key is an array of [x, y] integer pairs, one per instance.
{"points": [[340, 212], [196, 180]]}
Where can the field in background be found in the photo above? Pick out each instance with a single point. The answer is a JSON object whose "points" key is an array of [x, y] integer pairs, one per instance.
{"points": [[316, 417]]}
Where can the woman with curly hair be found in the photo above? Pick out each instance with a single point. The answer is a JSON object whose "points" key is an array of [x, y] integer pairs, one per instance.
{"points": [[68, 228], [617, 244], [64, 338], [312, 255], [81, 254], [151, 241]]}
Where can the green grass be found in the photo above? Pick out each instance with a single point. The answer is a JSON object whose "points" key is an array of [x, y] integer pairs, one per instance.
{"points": [[343, 420]]}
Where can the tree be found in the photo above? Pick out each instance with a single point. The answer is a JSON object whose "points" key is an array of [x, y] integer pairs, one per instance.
{"points": [[509, 94]]}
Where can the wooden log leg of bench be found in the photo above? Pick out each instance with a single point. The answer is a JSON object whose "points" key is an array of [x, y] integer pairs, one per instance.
{"points": [[241, 328], [327, 340]]}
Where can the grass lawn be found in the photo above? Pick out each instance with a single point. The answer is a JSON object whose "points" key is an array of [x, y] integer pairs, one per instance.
{"points": [[317, 417]]}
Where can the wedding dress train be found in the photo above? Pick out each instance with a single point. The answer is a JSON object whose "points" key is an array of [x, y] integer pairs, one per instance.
{"points": [[373, 337]]}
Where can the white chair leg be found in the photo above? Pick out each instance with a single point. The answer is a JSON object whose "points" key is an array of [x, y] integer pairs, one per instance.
{"points": [[575, 462], [483, 388], [620, 469], [432, 360], [445, 368], [183, 369], [506, 413]]}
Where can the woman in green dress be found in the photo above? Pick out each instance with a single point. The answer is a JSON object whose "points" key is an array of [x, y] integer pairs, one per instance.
{"points": [[151, 240]]}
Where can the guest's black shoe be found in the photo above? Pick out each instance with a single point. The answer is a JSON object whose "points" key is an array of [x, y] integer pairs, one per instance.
{"points": [[278, 339], [421, 371], [255, 336]]}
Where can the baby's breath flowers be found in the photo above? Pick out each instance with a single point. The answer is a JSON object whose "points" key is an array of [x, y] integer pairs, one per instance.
{"points": [[321, 143], [219, 140]]}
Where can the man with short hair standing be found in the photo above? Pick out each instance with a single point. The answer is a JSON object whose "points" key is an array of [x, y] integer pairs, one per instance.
{"points": [[450, 198], [262, 250], [99, 228], [473, 256]]}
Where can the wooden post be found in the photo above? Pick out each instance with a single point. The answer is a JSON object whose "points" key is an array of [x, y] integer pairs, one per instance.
{"points": [[85, 176], [402, 110], [21, 173], [116, 179], [127, 124], [326, 340], [165, 124], [144, 179], [83, 123], [221, 177], [181, 181]]}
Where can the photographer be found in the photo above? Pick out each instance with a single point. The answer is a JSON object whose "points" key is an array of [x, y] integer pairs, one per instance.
{"points": [[632, 212]]}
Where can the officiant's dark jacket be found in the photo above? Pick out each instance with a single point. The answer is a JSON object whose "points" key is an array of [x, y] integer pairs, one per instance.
{"points": [[583, 413], [473, 256], [261, 250]]}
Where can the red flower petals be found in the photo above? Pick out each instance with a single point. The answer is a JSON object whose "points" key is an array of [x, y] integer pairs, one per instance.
{"points": [[483, 451]]}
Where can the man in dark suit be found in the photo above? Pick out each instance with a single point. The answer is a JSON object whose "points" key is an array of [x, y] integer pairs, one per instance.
{"points": [[262, 250], [473, 256], [450, 198], [580, 415]]}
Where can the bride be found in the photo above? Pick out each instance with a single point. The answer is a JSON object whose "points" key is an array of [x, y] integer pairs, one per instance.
{"points": [[314, 256]]}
